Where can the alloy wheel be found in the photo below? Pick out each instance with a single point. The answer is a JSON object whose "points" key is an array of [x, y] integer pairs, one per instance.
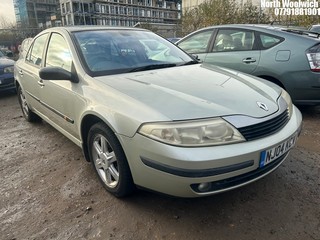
{"points": [[105, 161]]}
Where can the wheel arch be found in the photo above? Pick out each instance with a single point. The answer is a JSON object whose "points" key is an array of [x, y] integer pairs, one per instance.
{"points": [[273, 80], [86, 123], [17, 84]]}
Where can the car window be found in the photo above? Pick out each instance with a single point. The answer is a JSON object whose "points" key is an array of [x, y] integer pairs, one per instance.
{"points": [[58, 54], [153, 47], [269, 41], [315, 29], [103, 52], [34, 55], [24, 47], [233, 40], [197, 43], [115, 51]]}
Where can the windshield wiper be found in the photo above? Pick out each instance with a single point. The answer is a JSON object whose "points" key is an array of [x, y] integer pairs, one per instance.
{"points": [[152, 66]]}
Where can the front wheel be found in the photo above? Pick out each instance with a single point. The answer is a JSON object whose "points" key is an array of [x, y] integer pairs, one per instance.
{"points": [[109, 161]]}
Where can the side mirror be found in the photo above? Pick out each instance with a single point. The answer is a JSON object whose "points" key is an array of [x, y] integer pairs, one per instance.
{"points": [[57, 73], [196, 57]]}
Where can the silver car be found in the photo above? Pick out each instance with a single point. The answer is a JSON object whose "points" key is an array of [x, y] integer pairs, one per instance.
{"points": [[155, 119], [279, 55]]}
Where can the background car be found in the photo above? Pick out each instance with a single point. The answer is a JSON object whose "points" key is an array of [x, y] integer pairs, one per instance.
{"points": [[173, 39], [160, 121], [6, 73], [279, 55], [8, 53], [315, 28]]}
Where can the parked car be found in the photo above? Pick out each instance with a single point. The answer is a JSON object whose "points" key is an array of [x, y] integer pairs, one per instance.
{"points": [[281, 56], [165, 122], [6, 73], [8, 53], [315, 28], [173, 39]]}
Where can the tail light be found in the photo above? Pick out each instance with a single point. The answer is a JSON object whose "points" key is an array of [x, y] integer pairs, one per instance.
{"points": [[313, 55]]}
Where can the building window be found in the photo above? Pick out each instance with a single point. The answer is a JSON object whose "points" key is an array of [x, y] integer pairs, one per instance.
{"points": [[63, 8], [68, 7]]}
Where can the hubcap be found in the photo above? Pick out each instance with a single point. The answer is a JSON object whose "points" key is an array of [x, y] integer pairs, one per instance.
{"points": [[105, 161]]}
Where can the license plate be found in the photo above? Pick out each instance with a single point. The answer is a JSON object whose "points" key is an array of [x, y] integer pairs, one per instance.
{"points": [[272, 154]]}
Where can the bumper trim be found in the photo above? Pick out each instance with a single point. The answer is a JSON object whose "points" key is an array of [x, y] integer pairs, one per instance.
{"points": [[195, 173], [244, 178]]}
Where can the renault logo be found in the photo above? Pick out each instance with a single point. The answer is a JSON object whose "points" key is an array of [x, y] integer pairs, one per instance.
{"points": [[262, 106]]}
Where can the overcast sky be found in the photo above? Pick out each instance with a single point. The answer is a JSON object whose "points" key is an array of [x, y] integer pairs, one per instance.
{"points": [[6, 10]]}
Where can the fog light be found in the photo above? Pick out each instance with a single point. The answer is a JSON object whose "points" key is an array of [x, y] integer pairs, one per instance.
{"points": [[204, 187]]}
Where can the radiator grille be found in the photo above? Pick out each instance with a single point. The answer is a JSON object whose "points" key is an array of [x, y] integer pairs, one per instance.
{"points": [[266, 128]]}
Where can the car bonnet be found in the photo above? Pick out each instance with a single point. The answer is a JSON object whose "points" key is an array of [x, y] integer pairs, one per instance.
{"points": [[198, 91], [4, 62]]}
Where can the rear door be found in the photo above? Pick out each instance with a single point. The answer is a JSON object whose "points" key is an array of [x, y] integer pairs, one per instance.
{"points": [[234, 48], [28, 72]]}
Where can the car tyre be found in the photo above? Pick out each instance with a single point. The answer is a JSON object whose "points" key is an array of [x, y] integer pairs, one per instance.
{"points": [[109, 161], [27, 113]]}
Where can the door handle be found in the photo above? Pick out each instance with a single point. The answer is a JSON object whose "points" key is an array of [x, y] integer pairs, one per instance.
{"points": [[249, 60], [40, 82], [20, 72]]}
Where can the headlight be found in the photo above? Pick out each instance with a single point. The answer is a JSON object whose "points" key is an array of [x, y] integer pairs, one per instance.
{"points": [[288, 100], [8, 69], [193, 133]]}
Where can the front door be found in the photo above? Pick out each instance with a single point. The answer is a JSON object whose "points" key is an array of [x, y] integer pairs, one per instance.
{"points": [[58, 96]]}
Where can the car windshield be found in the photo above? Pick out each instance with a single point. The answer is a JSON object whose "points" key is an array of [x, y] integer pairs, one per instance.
{"points": [[119, 51], [1, 54]]}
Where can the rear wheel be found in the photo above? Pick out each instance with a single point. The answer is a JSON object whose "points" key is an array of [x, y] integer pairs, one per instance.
{"points": [[27, 113], [109, 161]]}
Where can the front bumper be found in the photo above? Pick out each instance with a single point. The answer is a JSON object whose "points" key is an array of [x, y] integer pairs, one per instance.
{"points": [[178, 171]]}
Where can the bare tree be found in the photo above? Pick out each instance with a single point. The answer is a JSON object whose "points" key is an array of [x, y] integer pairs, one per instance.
{"points": [[5, 23], [217, 12], [191, 21], [251, 13], [8, 34]]}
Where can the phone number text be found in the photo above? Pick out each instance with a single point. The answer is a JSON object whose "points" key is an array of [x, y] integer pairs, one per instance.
{"points": [[296, 11]]}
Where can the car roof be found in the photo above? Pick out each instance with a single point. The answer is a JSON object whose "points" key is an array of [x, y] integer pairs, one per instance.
{"points": [[80, 28], [251, 26], [271, 29]]}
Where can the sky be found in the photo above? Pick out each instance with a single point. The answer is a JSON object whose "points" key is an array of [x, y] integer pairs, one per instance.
{"points": [[7, 11]]}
